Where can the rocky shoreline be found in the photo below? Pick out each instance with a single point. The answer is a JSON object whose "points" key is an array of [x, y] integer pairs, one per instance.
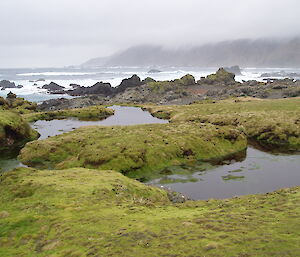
{"points": [[186, 90]]}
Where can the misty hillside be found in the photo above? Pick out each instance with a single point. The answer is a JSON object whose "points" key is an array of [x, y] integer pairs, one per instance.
{"points": [[246, 53]]}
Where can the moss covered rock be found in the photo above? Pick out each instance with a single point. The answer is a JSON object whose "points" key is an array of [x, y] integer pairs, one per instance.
{"points": [[138, 151], [187, 80], [14, 130], [17, 104], [221, 77]]}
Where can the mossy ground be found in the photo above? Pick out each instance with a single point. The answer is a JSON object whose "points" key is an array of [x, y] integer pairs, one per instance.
{"points": [[81, 212], [137, 151], [87, 113], [91, 212], [273, 123]]}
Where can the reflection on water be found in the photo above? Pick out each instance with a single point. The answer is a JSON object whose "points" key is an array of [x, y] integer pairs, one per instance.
{"points": [[260, 172], [123, 116]]}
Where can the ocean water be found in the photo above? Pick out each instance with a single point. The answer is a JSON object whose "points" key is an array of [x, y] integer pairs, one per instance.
{"points": [[87, 77]]}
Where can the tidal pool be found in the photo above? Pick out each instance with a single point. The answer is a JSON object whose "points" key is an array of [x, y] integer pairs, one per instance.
{"points": [[123, 116], [259, 172]]}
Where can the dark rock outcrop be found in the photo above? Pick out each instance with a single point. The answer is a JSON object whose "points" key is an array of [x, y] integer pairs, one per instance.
{"points": [[74, 86], [99, 88], [134, 81], [11, 95], [4, 84], [105, 89], [54, 88]]}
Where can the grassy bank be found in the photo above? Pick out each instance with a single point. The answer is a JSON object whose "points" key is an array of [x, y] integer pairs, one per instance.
{"points": [[137, 151], [274, 124], [17, 104], [81, 212], [87, 113], [14, 130]]}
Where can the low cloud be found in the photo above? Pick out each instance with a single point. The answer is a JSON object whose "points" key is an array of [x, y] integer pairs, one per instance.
{"points": [[65, 32]]}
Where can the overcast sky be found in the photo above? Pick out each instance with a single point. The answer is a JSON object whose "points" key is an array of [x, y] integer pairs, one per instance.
{"points": [[44, 33]]}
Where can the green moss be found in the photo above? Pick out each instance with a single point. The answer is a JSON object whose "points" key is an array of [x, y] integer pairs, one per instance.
{"points": [[160, 86], [186, 80], [138, 151], [17, 104], [221, 77], [14, 130], [22, 106], [88, 113], [81, 212], [271, 123], [148, 80], [176, 85]]}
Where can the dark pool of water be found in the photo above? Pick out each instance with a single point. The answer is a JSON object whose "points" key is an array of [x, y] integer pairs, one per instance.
{"points": [[260, 172], [123, 116]]}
